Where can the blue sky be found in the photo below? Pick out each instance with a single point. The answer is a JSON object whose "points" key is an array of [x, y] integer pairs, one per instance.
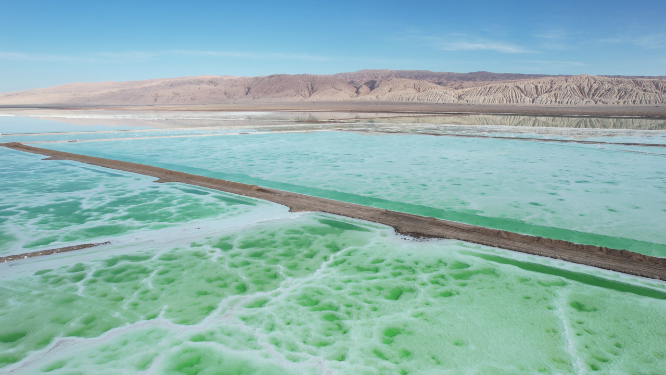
{"points": [[45, 43]]}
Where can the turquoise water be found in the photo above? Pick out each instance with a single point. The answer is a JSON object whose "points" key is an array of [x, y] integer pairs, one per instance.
{"points": [[610, 136], [535, 122], [201, 282], [581, 193], [319, 294], [16, 124], [50, 204], [106, 135]]}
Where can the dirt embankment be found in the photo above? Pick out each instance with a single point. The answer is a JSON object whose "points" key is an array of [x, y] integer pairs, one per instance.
{"points": [[50, 251], [413, 225], [408, 108], [513, 138]]}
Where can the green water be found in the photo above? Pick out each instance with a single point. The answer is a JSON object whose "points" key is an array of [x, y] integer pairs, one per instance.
{"points": [[49, 204], [316, 294], [200, 282], [580, 193]]}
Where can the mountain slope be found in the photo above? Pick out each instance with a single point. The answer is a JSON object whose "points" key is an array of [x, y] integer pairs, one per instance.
{"points": [[365, 85], [576, 90], [446, 79]]}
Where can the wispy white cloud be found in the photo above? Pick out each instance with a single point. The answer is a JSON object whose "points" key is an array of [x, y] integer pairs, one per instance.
{"points": [[550, 62], [137, 56], [18, 56], [482, 46], [554, 34], [650, 41], [463, 42], [653, 41], [87, 57], [123, 56], [252, 55], [555, 39], [612, 40]]}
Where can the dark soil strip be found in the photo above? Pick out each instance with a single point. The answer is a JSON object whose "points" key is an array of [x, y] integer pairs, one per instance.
{"points": [[412, 225], [50, 251], [410, 108], [511, 138]]}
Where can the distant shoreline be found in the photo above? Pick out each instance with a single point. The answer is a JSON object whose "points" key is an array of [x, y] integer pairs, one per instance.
{"points": [[602, 111]]}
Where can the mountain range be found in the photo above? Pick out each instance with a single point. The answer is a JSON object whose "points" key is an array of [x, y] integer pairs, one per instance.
{"points": [[364, 85]]}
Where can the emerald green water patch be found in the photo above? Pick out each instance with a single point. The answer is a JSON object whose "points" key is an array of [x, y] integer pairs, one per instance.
{"points": [[49, 204], [420, 311], [6, 239], [193, 360], [577, 193], [603, 345], [342, 225], [101, 171], [182, 285], [195, 191], [580, 277], [158, 350], [235, 200], [321, 294]]}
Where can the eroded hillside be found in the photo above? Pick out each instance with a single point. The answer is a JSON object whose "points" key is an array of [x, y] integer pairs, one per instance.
{"points": [[367, 85]]}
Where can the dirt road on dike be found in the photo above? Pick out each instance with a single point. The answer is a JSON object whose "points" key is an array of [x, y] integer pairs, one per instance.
{"points": [[412, 225]]}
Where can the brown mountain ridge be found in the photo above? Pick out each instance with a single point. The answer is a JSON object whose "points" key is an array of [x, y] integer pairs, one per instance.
{"points": [[365, 85]]}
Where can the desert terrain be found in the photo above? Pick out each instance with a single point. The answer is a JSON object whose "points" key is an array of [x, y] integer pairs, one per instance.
{"points": [[458, 91]]}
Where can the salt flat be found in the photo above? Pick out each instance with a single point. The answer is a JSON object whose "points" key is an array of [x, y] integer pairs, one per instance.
{"points": [[578, 193], [49, 205], [318, 293], [199, 280]]}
